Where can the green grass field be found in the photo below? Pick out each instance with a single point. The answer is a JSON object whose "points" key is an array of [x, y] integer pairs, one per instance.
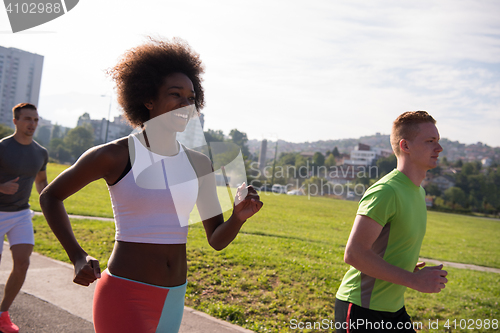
{"points": [[93, 200], [287, 262]]}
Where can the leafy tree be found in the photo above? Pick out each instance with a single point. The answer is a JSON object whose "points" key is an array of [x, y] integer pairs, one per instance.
{"points": [[63, 155], [468, 169], [462, 181], [316, 186], [318, 159], [335, 152], [433, 189], [330, 161], [436, 171], [301, 165], [214, 136], [386, 164], [54, 143], [58, 151], [241, 140], [43, 136], [78, 140], [5, 131], [456, 196], [56, 132], [287, 158]]}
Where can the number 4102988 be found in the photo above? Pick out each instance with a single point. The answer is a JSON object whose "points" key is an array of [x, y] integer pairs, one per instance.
{"points": [[34, 8], [471, 324]]}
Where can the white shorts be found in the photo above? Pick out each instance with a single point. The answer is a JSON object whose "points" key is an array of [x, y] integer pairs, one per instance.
{"points": [[17, 226]]}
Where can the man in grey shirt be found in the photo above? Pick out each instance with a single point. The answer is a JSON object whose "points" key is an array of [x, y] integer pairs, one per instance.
{"points": [[22, 162]]}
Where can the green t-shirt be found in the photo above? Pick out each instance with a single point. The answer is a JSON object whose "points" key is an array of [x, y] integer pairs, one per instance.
{"points": [[399, 206]]}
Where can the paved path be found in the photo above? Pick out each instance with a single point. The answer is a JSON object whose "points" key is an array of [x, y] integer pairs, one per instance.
{"points": [[107, 219], [462, 266], [51, 302]]}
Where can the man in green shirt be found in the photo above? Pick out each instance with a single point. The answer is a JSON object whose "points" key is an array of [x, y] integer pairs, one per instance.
{"points": [[384, 244]]}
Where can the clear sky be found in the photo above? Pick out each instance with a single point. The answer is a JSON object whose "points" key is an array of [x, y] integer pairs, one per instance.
{"points": [[293, 70]]}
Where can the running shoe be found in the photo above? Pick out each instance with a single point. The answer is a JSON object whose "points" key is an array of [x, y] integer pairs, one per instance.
{"points": [[6, 325]]}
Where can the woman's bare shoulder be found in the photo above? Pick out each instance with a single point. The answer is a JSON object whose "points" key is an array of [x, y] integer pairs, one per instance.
{"points": [[108, 155], [201, 163]]}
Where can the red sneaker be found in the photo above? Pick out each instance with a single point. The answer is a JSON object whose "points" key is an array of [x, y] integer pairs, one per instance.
{"points": [[6, 325]]}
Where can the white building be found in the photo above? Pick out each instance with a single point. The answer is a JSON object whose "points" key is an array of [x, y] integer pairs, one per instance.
{"points": [[20, 78], [363, 155]]}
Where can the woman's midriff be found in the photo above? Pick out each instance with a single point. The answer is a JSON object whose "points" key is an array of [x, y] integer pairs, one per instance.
{"points": [[158, 264]]}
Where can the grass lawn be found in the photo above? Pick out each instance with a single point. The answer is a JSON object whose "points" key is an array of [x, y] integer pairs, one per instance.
{"points": [[287, 263], [93, 200]]}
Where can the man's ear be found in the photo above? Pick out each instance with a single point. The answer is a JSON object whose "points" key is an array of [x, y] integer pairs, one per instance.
{"points": [[403, 146], [14, 120]]}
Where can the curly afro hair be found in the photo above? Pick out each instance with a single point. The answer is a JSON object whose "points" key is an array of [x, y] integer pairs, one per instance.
{"points": [[141, 71]]}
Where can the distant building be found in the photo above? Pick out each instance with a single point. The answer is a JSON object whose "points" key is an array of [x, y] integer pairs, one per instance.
{"points": [[443, 182], [104, 132], [43, 131], [307, 154], [20, 78], [487, 162], [364, 155], [262, 154]]}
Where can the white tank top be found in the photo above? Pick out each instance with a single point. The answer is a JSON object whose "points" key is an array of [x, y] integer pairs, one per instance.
{"points": [[157, 210]]}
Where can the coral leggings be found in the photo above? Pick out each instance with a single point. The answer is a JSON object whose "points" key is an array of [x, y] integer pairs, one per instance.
{"points": [[123, 305]]}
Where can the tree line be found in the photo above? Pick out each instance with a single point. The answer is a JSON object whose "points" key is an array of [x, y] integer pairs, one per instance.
{"points": [[67, 146], [476, 188], [63, 146]]}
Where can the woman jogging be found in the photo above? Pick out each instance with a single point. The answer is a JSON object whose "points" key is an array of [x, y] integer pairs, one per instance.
{"points": [[143, 288]]}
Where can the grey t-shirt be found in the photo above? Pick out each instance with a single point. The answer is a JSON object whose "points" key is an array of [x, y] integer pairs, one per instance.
{"points": [[23, 161]]}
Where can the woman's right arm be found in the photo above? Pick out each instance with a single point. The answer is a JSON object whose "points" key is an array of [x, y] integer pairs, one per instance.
{"points": [[96, 163]]}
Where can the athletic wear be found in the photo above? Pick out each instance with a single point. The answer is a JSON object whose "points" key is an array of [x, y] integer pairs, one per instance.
{"points": [[23, 161], [123, 305], [18, 227], [399, 206], [350, 318], [6, 325], [153, 201]]}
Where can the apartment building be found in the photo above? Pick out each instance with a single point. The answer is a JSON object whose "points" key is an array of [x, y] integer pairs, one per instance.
{"points": [[20, 79]]}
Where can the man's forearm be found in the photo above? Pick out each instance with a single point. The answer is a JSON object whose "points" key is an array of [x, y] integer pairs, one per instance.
{"points": [[369, 263]]}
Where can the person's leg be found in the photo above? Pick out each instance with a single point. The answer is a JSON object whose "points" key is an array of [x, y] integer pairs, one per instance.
{"points": [[21, 259], [173, 309], [402, 321], [351, 318], [21, 239], [341, 316], [123, 305]]}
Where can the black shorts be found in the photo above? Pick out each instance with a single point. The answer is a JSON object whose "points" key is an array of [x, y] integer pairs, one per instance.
{"points": [[350, 318]]}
